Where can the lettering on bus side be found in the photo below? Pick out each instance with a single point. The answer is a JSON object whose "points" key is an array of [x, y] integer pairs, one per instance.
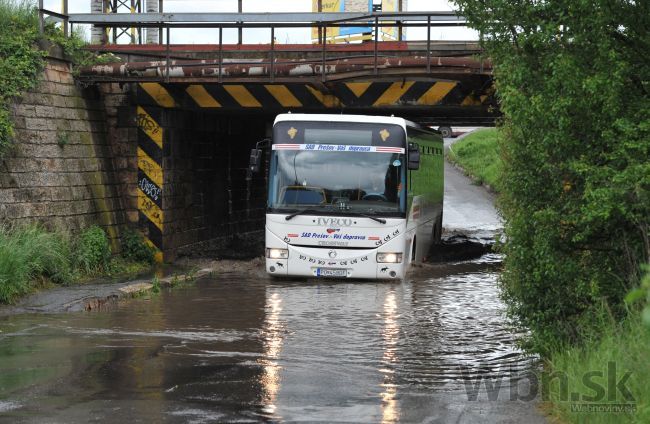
{"points": [[387, 238]]}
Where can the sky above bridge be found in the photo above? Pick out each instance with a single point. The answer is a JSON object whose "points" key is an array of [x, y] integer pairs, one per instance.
{"points": [[263, 36]]}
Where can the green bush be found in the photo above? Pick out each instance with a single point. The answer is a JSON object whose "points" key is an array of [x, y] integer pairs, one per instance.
{"points": [[573, 83], [92, 250], [20, 60], [478, 155], [135, 248], [27, 253]]}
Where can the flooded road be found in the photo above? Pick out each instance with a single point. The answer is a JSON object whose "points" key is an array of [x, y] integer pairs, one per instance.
{"points": [[233, 348], [243, 348]]}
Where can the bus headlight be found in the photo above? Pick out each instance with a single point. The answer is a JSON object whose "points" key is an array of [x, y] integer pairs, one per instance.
{"points": [[389, 258], [277, 253]]}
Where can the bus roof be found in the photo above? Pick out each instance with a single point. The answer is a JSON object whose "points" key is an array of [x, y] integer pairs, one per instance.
{"points": [[341, 118]]}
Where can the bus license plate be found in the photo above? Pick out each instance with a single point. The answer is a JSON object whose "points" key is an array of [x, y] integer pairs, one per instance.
{"points": [[329, 272]]}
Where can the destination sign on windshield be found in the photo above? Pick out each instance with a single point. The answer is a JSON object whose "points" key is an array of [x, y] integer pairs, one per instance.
{"points": [[338, 148], [338, 133]]}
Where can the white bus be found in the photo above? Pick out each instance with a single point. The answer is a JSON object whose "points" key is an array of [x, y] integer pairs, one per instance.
{"points": [[350, 196]]}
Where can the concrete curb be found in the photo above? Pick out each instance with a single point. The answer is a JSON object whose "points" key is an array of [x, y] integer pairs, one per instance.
{"points": [[92, 297], [140, 287]]}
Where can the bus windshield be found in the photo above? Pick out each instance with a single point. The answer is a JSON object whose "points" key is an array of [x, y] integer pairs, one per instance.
{"points": [[337, 182]]}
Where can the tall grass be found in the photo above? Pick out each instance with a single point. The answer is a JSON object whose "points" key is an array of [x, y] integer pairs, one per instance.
{"points": [[27, 253], [478, 155], [620, 347], [32, 253], [22, 12]]}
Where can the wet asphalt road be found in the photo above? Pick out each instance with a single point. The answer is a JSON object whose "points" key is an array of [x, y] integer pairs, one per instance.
{"points": [[241, 348]]}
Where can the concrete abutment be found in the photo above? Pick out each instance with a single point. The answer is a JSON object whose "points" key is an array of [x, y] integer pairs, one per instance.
{"points": [[96, 155]]}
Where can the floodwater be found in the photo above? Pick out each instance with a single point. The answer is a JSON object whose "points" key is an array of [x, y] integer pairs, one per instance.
{"points": [[236, 348], [242, 348]]}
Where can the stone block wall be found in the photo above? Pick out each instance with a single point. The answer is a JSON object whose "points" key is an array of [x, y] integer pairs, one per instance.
{"points": [[210, 208], [61, 171]]}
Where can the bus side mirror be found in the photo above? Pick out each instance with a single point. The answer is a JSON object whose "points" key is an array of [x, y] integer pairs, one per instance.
{"points": [[413, 156], [255, 161]]}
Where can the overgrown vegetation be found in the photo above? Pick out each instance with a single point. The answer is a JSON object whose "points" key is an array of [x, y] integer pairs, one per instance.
{"points": [[30, 255], [573, 81], [610, 366], [618, 353], [135, 248], [21, 60], [478, 155], [92, 250]]}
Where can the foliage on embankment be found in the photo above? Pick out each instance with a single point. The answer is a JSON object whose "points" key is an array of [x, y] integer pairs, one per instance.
{"points": [[573, 82], [30, 256], [20, 60], [478, 155], [574, 86]]}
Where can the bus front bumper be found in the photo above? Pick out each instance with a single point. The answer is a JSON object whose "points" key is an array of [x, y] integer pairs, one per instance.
{"points": [[334, 263]]}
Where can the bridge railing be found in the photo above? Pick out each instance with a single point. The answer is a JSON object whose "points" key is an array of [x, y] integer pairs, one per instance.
{"points": [[369, 55]]}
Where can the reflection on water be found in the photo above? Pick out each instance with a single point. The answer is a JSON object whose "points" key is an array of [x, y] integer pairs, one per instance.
{"points": [[273, 333], [390, 411], [234, 348]]}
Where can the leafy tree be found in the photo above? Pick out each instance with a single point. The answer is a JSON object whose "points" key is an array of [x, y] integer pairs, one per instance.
{"points": [[573, 79]]}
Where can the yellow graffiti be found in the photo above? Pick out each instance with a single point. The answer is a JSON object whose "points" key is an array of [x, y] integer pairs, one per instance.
{"points": [[150, 168], [150, 210], [149, 126]]}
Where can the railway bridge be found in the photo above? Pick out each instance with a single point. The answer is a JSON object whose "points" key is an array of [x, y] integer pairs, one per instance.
{"points": [[188, 114]]}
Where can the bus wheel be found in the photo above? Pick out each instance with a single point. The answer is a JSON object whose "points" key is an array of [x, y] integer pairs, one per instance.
{"points": [[445, 131], [413, 251], [437, 231]]}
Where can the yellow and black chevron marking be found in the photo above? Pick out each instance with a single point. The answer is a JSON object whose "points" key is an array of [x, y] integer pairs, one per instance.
{"points": [[275, 97], [150, 176]]}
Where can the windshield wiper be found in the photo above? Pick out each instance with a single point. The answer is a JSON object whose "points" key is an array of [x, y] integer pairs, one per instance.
{"points": [[316, 211], [301, 212], [380, 220]]}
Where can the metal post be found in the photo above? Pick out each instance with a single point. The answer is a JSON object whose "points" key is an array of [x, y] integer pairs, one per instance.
{"points": [[152, 35], [240, 29], [65, 20], [167, 58], [320, 30], [41, 27], [220, 54], [400, 28], [272, 70], [429, 44], [322, 70], [376, 44], [160, 31]]}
